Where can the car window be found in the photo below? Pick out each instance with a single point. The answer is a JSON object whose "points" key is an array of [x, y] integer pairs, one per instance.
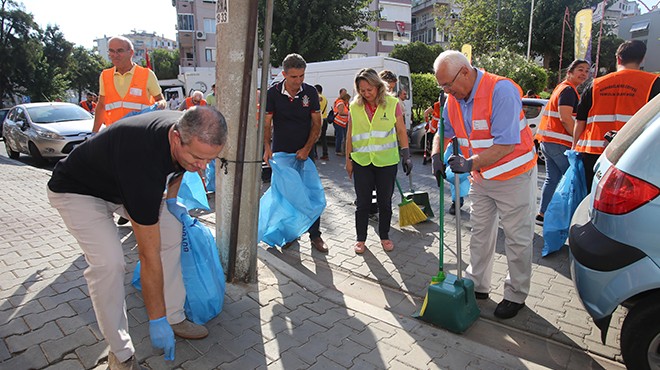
{"points": [[57, 113], [532, 110], [20, 116], [12, 114], [646, 116], [404, 84]]}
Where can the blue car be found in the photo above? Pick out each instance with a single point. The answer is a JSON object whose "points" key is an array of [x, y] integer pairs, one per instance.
{"points": [[615, 239]]}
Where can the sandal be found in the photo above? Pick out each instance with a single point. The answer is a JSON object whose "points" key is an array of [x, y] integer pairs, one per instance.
{"points": [[360, 247], [387, 245]]}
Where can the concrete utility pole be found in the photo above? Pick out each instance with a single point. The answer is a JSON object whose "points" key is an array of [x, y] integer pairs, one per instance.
{"points": [[529, 37], [237, 192]]}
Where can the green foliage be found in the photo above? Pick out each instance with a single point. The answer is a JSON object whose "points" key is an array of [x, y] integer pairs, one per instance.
{"points": [[165, 63], [516, 67], [316, 29], [84, 69], [420, 57], [50, 82], [426, 92]]}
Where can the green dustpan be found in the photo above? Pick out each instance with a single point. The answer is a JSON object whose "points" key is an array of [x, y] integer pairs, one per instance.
{"points": [[450, 302]]}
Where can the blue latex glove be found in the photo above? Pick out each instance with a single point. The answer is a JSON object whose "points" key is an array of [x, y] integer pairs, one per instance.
{"points": [[459, 164], [162, 336], [406, 162], [176, 209]]}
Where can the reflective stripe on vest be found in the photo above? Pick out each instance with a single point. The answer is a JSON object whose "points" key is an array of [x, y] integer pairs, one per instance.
{"points": [[136, 98], [616, 97], [340, 120], [551, 129], [375, 142], [523, 157]]}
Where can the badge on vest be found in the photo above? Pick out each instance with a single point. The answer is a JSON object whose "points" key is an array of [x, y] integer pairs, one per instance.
{"points": [[480, 124], [305, 101], [135, 91]]}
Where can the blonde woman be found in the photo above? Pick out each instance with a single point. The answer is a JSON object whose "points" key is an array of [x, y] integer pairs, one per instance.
{"points": [[375, 125]]}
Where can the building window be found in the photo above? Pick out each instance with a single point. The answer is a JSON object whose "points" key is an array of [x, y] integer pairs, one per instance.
{"points": [[209, 25], [186, 22], [385, 36], [210, 54]]}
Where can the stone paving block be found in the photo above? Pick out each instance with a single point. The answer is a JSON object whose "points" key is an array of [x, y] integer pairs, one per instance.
{"points": [[32, 358], [66, 365], [69, 325], [62, 287], [273, 309], [17, 343], [184, 352], [217, 335], [330, 317], [418, 358], [336, 334], [54, 301], [381, 356], [284, 341], [35, 321], [91, 355], [16, 326], [212, 359], [240, 344], [346, 352], [304, 331], [300, 314], [237, 308], [309, 351], [250, 360], [241, 324], [4, 352], [265, 297], [56, 349], [277, 324], [290, 360], [325, 363], [401, 340]]}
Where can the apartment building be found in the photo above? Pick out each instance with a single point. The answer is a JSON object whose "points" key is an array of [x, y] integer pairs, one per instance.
{"points": [[143, 42]]}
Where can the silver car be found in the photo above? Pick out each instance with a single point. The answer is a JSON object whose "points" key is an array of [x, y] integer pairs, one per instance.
{"points": [[45, 130]]}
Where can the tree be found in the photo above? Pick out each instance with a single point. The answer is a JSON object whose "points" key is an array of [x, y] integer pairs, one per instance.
{"points": [[506, 63], [84, 69], [316, 29], [420, 57], [19, 48], [165, 63], [426, 92], [50, 81]]}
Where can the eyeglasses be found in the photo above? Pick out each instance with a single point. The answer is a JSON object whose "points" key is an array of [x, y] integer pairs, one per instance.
{"points": [[118, 51], [449, 85]]}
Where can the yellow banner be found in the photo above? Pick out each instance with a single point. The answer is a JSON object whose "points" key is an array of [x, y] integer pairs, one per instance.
{"points": [[467, 51], [582, 33]]}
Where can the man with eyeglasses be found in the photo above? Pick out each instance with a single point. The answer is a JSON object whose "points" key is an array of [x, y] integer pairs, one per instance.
{"points": [[484, 112], [126, 87], [124, 170]]}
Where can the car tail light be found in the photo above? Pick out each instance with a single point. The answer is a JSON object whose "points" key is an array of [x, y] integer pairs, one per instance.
{"points": [[619, 193]]}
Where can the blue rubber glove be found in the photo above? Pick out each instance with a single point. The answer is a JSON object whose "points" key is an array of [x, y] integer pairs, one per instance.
{"points": [[162, 336], [176, 209], [406, 162], [459, 164]]}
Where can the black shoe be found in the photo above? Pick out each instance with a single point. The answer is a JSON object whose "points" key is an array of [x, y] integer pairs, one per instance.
{"points": [[507, 309], [479, 295], [452, 208], [122, 221], [461, 201], [539, 220]]}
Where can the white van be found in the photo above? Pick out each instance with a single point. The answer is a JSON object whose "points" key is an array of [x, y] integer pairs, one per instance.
{"points": [[336, 74]]}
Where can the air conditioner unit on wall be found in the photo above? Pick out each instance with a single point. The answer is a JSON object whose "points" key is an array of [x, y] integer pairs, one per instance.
{"points": [[200, 35]]}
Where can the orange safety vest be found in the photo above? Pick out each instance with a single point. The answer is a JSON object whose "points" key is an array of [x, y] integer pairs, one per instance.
{"points": [[551, 129], [523, 157], [615, 98], [137, 97], [189, 102], [88, 106], [341, 121], [435, 118]]}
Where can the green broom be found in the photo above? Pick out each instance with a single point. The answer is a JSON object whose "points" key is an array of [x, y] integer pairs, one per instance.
{"points": [[409, 212]]}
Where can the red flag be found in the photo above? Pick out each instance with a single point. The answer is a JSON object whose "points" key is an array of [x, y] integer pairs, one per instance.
{"points": [[146, 58]]}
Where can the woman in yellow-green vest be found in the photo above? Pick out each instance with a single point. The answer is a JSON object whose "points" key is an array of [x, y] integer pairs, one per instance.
{"points": [[375, 125]]}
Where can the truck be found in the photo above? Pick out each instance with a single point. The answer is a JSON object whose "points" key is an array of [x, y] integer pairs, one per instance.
{"points": [[201, 79], [336, 74]]}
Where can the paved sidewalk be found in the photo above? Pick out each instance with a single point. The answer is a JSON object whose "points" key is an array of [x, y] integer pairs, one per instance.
{"points": [[352, 313]]}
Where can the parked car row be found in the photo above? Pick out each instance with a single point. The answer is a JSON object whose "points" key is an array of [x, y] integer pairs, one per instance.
{"points": [[45, 130]]}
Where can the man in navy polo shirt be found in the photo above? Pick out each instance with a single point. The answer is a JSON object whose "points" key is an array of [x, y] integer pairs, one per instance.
{"points": [[293, 122]]}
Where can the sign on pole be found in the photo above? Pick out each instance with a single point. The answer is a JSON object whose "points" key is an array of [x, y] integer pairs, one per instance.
{"points": [[583, 33], [467, 51]]}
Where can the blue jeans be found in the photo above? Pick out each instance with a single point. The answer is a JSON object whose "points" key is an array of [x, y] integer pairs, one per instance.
{"points": [[556, 164], [340, 133]]}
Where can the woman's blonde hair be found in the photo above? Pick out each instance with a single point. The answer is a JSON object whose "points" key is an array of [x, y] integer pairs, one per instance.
{"points": [[370, 76]]}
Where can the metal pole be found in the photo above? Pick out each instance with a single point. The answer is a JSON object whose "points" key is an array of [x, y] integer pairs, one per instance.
{"points": [[497, 28], [561, 49], [600, 33], [529, 38]]}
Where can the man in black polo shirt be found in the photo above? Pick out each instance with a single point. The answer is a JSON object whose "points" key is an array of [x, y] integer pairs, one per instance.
{"points": [[124, 170], [293, 122]]}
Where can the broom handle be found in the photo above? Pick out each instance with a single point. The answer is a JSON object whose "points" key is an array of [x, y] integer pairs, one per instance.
{"points": [[410, 181], [457, 204], [399, 187], [441, 214]]}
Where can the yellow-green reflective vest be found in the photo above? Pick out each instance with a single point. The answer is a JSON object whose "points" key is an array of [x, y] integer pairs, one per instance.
{"points": [[375, 142]]}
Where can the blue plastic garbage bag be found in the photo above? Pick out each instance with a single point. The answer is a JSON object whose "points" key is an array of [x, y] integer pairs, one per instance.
{"points": [[463, 177], [210, 176], [191, 193], [293, 202], [151, 108], [203, 276], [571, 190]]}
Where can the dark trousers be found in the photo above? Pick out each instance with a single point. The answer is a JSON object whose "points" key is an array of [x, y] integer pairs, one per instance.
{"points": [[315, 230], [365, 178], [324, 138], [589, 161]]}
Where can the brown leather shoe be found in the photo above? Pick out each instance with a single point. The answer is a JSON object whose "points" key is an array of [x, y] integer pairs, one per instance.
{"points": [[319, 245]]}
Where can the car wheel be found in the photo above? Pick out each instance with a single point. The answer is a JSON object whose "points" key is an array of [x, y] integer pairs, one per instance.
{"points": [[541, 157], [12, 154], [640, 335], [36, 154]]}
